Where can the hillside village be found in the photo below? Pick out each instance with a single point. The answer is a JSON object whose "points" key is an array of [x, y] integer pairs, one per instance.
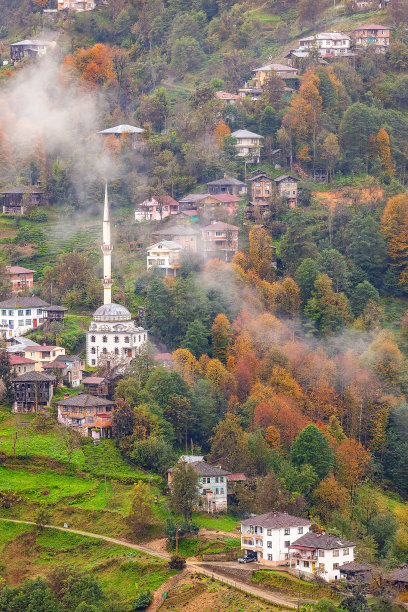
{"points": [[203, 305]]}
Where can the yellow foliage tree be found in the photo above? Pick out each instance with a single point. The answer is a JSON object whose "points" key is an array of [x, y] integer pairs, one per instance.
{"points": [[384, 150], [186, 365], [221, 131], [394, 225]]}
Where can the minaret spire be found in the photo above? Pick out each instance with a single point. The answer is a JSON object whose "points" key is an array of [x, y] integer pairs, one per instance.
{"points": [[107, 252]]}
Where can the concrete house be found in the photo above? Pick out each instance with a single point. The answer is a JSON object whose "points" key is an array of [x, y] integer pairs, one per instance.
{"points": [[74, 366], [156, 209], [166, 256], [321, 553], [220, 240], [224, 204], [372, 34], [21, 365], [89, 415], [227, 184], [29, 48], [329, 44], [185, 235], [19, 315], [248, 145], [263, 73], [212, 489], [33, 392], [269, 536], [43, 354], [76, 5], [20, 278]]}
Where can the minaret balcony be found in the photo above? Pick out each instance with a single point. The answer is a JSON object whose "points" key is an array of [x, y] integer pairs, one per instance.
{"points": [[107, 282], [106, 248]]}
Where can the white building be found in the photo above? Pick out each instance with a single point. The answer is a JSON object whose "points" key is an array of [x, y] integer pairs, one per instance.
{"points": [[165, 255], [19, 315], [156, 209], [322, 554], [76, 5], [112, 333], [269, 536], [328, 43], [212, 488], [248, 145]]}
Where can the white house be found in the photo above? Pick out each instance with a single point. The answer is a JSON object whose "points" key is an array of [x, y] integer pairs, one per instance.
{"points": [[165, 255], [248, 145], [19, 315], [328, 43], [212, 488], [321, 554], [270, 535], [76, 5]]}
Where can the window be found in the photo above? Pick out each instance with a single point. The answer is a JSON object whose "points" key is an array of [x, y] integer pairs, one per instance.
{"points": [[287, 531], [4, 313], [321, 566], [216, 479], [335, 566], [305, 563], [221, 478], [221, 491], [321, 553], [216, 491], [20, 322], [28, 312], [93, 361], [127, 339], [218, 234], [269, 532], [92, 338], [11, 313], [346, 551], [93, 350], [90, 419], [269, 544], [116, 339], [335, 553], [39, 312], [300, 529], [28, 321], [104, 338], [116, 351], [287, 543], [104, 350], [21, 313], [270, 558]]}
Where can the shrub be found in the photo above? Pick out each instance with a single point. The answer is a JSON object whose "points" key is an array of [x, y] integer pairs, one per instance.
{"points": [[143, 600], [177, 562], [8, 499]]}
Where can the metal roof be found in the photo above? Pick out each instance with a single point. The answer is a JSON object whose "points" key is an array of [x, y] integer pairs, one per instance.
{"points": [[321, 541], [122, 129], [245, 134]]}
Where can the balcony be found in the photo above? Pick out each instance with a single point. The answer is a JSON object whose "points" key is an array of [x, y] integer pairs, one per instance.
{"points": [[306, 556]]}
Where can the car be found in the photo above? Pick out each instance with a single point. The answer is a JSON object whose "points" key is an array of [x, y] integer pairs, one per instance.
{"points": [[247, 559]]}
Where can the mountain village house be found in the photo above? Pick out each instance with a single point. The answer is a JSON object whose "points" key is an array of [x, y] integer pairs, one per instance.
{"points": [[43, 354], [31, 48], [191, 201], [261, 186], [226, 97], [186, 236], [89, 415], [263, 73], [129, 133], [18, 200], [212, 489], [248, 145], [20, 314], [156, 209], [220, 240], [166, 256], [328, 44], [20, 278], [71, 368], [54, 313], [219, 204], [269, 536], [165, 360], [286, 186], [376, 35], [21, 365], [76, 5], [33, 392], [227, 184], [95, 385], [321, 553]]}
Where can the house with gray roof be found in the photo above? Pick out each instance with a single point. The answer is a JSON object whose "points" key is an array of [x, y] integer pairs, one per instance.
{"points": [[90, 415], [227, 184], [322, 554], [248, 145], [212, 487], [33, 392], [18, 315]]}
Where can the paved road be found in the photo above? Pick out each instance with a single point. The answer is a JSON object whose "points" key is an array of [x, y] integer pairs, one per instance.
{"points": [[192, 566]]}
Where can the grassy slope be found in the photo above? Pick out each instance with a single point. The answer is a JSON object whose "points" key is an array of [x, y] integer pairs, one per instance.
{"points": [[27, 553]]}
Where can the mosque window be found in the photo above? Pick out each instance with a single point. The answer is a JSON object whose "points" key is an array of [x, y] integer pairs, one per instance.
{"points": [[116, 351], [92, 338], [116, 339], [93, 350], [104, 351], [104, 339], [126, 339]]}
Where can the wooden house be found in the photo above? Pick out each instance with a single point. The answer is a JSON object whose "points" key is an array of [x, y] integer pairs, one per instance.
{"points": [[286, 186], [54, 313], [29, 48], [227, 184], [89, 415], [261, 186], [33, 391], [95, 385], [374, 35], [18, 200]]}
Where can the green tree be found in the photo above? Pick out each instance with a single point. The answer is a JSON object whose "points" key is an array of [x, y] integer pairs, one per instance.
{"points": [[141, 516], [312, 447], [123, 420], [229, 445], [162, 384], [297, 243], [154, 109], [383, 528], [153, 454], [184, 489], [158, 306], [362, 294], [305, 276], [365, 245], [331, 262], [221, 334], [143, 600], [364, 121], [5, 285], [6, 375], [186, 54], [328, 311], [269, 122], [32, 595], [196, 338], [178, 414]]}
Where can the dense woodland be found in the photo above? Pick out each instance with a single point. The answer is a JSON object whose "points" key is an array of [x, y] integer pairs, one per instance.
{"points": [[297, 374]]}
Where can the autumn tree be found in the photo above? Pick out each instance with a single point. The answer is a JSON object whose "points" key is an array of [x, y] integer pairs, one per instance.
{"points": [[328, 310], [384, 151], [260, 251], [186, 365], [331, 154], [123, 420], [221, 131], [353, 462], [221, 335], [93, 65], [330, 496], [394, 226]]}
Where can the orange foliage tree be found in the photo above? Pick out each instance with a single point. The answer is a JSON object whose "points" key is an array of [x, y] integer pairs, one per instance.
{"points": [[353, 462], [93, 65], [221, 131], [221, 334], [186, 365], [394, 225], [384, 150]]}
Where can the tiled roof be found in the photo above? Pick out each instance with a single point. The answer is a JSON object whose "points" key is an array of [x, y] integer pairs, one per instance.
{"points": [[224, 95], [205, 469], [276, 520], [84, 399], [23, 302], [245, 134], [163, 357], [194, 197], [177, 230], [322, 541], [35, 377], [23, 189], [373, 26], [400, 575], [220, 225], [18, 270], [93, 380], [17, 360], [236, 477], [41, 349], [353, 566], [55, 365], [284, 177], [226, 180], [68, 358]]}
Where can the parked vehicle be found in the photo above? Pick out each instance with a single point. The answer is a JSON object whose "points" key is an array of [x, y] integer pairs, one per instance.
{"points": [[247, 559]]}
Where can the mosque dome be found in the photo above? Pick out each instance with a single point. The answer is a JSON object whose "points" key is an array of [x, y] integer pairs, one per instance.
{"points": [[112, 312]]}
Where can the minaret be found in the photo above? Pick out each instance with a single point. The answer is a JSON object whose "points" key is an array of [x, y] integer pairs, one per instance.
{"points": [[107, 252]]}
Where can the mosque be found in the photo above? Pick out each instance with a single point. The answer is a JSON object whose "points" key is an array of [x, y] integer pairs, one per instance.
{"points": [[112, 334]]}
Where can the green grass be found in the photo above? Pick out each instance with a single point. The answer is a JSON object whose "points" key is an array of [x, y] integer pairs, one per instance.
{"points": [[286, 583], [263, 17], [191, 547], [223, 523], [120, 571]]}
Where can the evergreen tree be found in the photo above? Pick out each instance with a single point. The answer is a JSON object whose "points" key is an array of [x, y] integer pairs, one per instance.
{"points": [[196, 338], [361, 295], [365, 245], [312, 447], [6, 375], [221, 337], [158, 306], [269, 122], [184, 489], [305, 277]]}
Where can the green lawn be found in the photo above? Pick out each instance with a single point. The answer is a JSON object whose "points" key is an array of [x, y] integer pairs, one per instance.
{"points": [[223, 523], [121, 572], [286, 583]]}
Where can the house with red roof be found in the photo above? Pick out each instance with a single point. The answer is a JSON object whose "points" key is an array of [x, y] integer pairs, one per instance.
{"points": [[20, 278], [20, 365], [220, 203], [225, 96], [156, 209], [43, 354], [374, 35]]}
